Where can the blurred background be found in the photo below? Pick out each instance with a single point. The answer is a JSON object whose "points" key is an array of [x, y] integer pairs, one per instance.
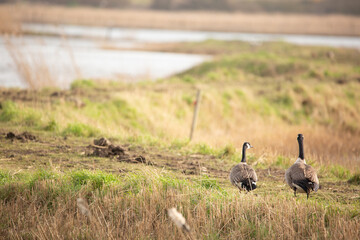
{"points": [[135, 106], [68, 40], [273, 67], [290, 6]]}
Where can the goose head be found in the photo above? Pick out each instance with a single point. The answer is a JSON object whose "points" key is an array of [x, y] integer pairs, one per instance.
{"points": [[300, 139], [246, 145]]}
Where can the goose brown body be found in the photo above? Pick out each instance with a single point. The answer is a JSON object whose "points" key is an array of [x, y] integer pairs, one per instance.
{"points": [[301, 177], [299, 172], [242, 175]]}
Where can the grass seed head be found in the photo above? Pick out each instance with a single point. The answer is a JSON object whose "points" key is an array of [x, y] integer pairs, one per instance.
{"points": [[83, 207], [178, 219]]}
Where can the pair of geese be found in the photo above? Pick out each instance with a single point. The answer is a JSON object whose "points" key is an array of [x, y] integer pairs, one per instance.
{"points": [[300, 177]]}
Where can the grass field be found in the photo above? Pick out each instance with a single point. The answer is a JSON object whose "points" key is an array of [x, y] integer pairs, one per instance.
{"points": [[184, 20], [265, 94]]}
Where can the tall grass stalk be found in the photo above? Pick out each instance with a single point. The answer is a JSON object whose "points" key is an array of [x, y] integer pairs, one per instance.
{"points": [[34, 70]]}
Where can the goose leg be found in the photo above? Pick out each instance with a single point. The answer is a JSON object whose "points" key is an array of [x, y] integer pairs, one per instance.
{"points": [[308, 194], [295, 192]]}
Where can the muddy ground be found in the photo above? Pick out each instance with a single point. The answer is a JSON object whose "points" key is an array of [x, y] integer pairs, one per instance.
{"points": [[26, 151]]}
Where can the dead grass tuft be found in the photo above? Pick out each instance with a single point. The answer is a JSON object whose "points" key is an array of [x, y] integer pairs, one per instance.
{"points": [[119, 211]]}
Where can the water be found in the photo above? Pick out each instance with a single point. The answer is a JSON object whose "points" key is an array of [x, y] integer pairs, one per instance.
{"points": [[74, 58], [80, 52], [160, 36]]}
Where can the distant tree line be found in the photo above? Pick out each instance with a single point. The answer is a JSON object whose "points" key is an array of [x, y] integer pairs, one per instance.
{"points": [[284, 6]]}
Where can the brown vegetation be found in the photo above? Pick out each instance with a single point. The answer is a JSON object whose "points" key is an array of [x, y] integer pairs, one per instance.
{"points": [[33, 69], [283, 6], [238, 22], [8, 23], [49, 189], [118, 214]]}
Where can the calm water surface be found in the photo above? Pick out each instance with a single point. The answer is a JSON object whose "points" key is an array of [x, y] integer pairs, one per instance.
{"points": [[84, 52], [74, 58]]}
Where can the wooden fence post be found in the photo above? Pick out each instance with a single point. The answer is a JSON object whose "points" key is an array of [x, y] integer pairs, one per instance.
{"points": [[196, 109]]}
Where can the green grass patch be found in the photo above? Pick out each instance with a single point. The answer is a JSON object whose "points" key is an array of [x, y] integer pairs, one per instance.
{"points": [[82, 83], [51, 126], [42, 174], [204, 149], [188, 99], [340, 172], [95, 179], [80, 130], [5, 176], [188, 79], [9, 111], [228, 151], [32, 118], [208, 183], [283, 162], [179, 143], [355, 179]]}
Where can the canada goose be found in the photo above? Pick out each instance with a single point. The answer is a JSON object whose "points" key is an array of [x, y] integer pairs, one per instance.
{"points": [[300, 176], [242, 175]]}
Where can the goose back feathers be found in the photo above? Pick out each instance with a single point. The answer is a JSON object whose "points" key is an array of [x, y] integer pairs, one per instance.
{"points": [[242, 175], [301, 177]]}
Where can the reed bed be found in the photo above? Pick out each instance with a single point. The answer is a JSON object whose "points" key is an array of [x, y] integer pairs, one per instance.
{"points": [[9, 24], [207, 21], [33, 68]]}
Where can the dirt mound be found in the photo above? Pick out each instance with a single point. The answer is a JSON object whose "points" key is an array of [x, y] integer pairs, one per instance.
{"points": [[25, 136], [102, 147], [102, 142]]}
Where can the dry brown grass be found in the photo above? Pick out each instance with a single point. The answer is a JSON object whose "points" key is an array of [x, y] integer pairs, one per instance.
{"points": [[239, 22], [269, 136], [116, 214], [33, 69], [8, 22]]}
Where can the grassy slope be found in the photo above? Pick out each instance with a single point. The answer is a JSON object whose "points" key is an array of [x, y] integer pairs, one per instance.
{"points": [[264, 94]]}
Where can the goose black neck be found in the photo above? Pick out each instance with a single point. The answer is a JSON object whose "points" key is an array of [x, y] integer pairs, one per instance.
{"points": [[243, 159], [301, 148]]}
